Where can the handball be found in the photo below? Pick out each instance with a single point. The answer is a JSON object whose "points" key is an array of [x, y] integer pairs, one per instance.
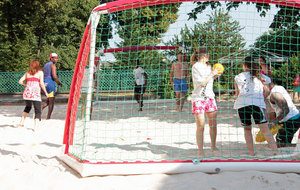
{"points": [[274, 130], [219, 68]]}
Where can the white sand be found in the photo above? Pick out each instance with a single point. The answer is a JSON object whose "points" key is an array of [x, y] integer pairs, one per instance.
{"points": [[30, 161]]}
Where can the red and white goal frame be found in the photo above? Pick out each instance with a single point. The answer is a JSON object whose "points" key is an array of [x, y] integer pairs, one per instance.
{"points": [[87, 55]]}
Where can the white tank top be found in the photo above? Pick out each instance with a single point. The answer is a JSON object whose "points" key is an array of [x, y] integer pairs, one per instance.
{"points": [[293, 109]]}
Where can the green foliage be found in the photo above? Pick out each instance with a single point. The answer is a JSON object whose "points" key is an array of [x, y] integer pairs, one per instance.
{"points": [[34, 29], [165, 89], [294, 64], [279, 75], [67, 56], [286, 18], [282, 41], [293, 68]]}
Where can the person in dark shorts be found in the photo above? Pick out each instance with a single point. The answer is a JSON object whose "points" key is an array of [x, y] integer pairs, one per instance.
{"points": [[287, 115], [258, 114], [50, 78], [140, 84], [251, 87]]}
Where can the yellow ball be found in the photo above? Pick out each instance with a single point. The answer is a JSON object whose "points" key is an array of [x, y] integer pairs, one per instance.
{"points": [[219, 67]]}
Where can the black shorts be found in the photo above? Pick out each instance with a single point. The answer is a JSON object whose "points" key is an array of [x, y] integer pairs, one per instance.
{"points": [[286, 133], [139, 89], [258, 114]]}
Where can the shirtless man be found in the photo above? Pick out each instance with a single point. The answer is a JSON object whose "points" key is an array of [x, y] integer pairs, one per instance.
{"points": [[179, 79]]}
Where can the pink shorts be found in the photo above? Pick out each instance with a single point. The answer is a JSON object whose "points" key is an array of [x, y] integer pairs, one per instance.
{"points": [[202, 106]]}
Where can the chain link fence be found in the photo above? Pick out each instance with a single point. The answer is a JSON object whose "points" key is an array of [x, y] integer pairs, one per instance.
{"points": [[108, 80], [9, 82]]}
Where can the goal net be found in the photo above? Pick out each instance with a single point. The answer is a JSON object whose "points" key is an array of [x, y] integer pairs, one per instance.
{"points": [[132, 93]]}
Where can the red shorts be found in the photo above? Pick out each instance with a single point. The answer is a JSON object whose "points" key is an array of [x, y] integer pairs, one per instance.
{"points": [[202, 106]]}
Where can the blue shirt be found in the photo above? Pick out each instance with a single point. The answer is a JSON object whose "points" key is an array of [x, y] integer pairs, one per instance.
{"points": [[47, 70]]}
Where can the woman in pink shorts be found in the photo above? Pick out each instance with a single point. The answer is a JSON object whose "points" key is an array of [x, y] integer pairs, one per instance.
{"points": [[203, 97]]}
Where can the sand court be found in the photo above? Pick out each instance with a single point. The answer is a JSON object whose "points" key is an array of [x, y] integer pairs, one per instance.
{"points": [[32, 159], [119, 132]]}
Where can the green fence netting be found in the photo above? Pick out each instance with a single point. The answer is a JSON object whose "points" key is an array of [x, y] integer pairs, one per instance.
{"points": [[109, 80]]}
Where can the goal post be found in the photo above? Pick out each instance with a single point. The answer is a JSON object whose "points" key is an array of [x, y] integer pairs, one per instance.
{"points": [[107, 132]]}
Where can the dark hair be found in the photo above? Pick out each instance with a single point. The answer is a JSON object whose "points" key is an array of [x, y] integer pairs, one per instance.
{"points": [[198, 54], [263, 58], [182, 55], [252, 66], [137, 62], [34, 67]]}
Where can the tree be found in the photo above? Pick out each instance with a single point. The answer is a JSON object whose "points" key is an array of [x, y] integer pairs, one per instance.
{"points": [[65, 37], [33, 29], [16, 38], [285, 42]]}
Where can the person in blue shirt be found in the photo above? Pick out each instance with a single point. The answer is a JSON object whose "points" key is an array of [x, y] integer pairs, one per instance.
{"points": [[50, 78]]}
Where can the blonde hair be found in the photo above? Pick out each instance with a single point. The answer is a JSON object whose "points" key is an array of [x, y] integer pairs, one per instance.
{"points": [[198, 54]]}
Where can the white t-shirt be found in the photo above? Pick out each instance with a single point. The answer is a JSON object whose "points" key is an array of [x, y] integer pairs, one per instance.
{"points": [[293, 109], [199, 73], [139, 76], [251, 90]]}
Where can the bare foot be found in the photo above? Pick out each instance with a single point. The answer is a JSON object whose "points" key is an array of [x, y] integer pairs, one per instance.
{"points": [[214, 149], [200, 153], [251, 153]]}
